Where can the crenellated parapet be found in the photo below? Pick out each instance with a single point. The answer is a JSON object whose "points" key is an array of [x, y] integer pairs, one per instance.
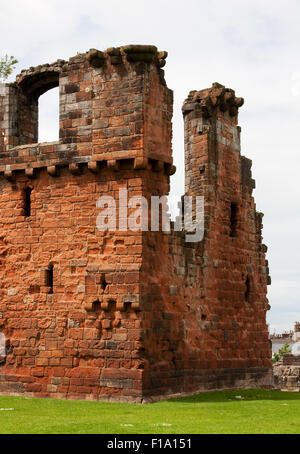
{"points": [[36, 77], [211, 99], [114, 106], [130, 53]]}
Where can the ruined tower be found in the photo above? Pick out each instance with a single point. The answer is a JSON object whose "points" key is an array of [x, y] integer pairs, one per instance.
{"points": [[124, 314]]}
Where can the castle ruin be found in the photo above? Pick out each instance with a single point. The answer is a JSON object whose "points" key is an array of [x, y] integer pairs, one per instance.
{"points": [[126, 315]]}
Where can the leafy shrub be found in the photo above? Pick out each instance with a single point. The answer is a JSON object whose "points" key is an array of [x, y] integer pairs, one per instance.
{"points": [[7, 65], [282, 351]]}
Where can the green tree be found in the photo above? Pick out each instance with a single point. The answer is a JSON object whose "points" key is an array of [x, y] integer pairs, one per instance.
{"points": [[282, 351], [7, 65]]}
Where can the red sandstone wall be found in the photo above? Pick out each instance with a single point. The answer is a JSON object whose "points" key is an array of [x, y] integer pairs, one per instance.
{"points": [[83, 337], [59, 343], [206, 318]]}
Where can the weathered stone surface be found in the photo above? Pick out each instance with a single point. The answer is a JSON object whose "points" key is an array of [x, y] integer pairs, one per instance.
{"points": [[287, 373], [125, 315]]}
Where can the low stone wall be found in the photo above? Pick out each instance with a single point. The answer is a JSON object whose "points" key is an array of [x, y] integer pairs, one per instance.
{"points": [[287, 373]]}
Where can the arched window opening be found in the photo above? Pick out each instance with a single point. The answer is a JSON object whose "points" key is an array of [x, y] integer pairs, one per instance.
{"points": [[48, 122], [39, 101]]}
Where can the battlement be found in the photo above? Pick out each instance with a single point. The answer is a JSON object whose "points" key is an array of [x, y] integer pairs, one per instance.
{"points": [[210, 100], [109, 101], [37, 80]]}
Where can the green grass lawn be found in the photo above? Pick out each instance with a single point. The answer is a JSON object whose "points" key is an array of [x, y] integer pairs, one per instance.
{"points": [[258, 412]]}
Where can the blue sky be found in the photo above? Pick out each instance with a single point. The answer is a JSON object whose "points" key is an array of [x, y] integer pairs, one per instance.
{"points": [[250, 46]]}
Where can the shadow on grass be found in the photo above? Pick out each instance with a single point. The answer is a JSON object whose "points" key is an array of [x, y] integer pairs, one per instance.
{"points": [[238, 395]]}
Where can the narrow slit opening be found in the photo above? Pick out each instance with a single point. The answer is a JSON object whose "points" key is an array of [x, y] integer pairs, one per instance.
{"points": [[27, 202], [248, 289], [49, 278], [233, 220], [103, 282]]}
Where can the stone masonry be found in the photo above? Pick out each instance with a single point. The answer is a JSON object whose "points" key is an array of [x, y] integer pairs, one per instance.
{"points": [[287, 373], [125, 315]]}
